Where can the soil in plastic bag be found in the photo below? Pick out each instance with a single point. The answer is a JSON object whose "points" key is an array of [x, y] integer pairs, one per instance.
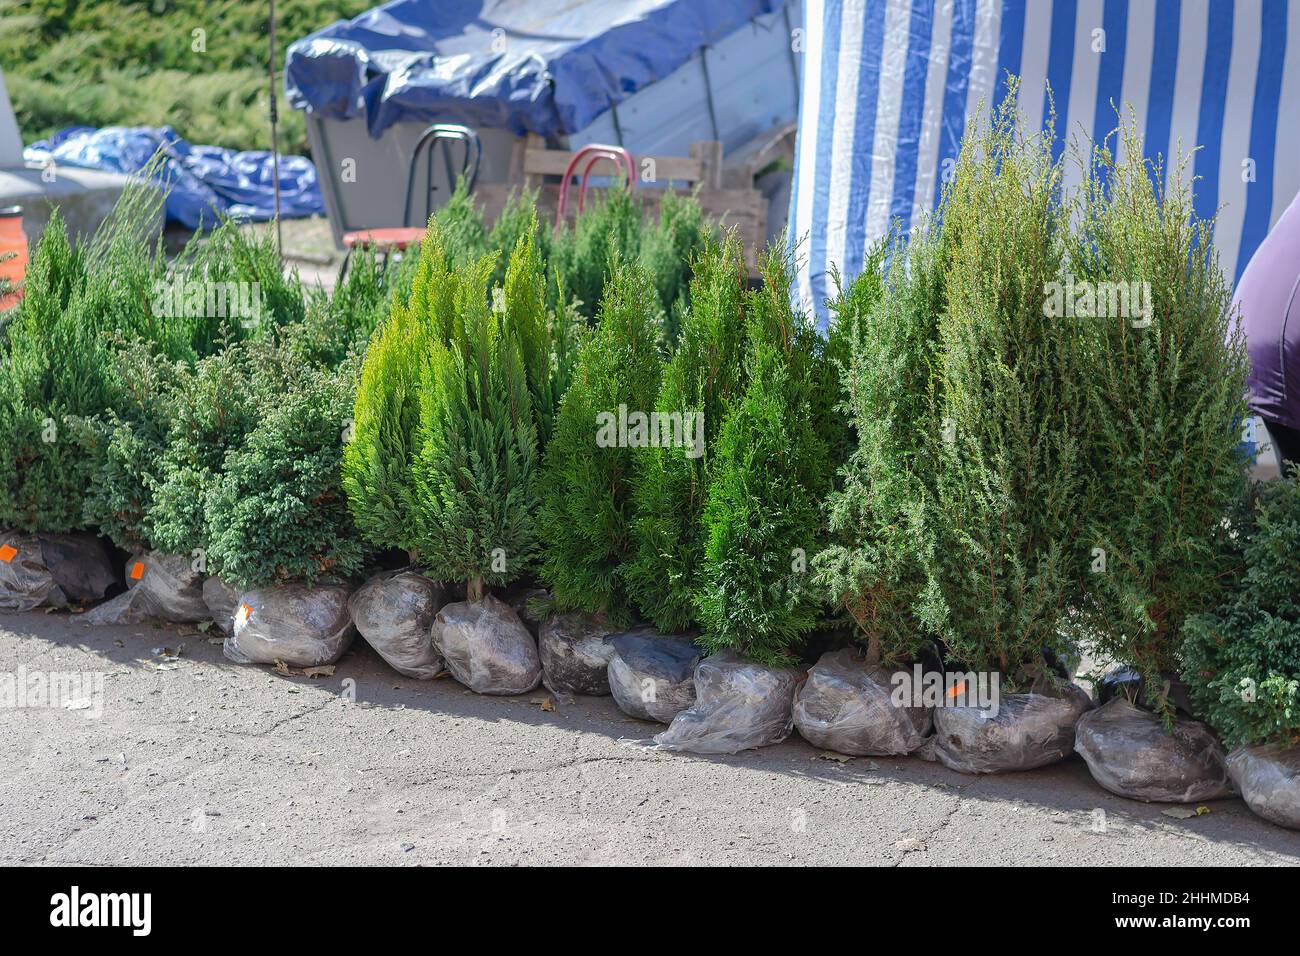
{"points": [[575, 655], [300, 625], [486, 647], [1129, 753], [394, 612], [848, 706], [1026, 731], [1269, 780], [652, 675], [1127, 682], [221, 601], [52, 570], [525, 601], [162, 587], [739, 705]]}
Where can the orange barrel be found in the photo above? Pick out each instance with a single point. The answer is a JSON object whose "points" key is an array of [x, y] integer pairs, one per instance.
{"points": [[12, 240]]}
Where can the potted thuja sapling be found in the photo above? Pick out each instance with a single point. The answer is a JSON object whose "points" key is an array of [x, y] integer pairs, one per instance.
{"points": [[190, 386], [476, 489], [1167, 373], [394, 609], [670, 481], [154, 455], [278, 526], [873, 699], [54, 365], [1242, 657], [1003, 518], [587, 512], [768, 476], [705, 374]]}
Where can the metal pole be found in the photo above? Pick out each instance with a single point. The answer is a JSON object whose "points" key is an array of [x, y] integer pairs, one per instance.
{"points": [[275, 142]]}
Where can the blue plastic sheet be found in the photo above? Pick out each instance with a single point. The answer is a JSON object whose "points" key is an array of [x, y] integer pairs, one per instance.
{"points": [[543, 66], [203, 182]]}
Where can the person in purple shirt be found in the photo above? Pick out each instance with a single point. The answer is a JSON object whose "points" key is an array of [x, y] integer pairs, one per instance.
{"points": [[1269, 298]]}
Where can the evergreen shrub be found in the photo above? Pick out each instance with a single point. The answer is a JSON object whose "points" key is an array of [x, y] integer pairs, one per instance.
{"points": [[1005, 556], [887, 332], [1166, 383], [1241, 658], [771, 470], [586, 511], [700, 382]]}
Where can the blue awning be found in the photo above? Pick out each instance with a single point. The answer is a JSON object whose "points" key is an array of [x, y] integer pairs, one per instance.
{"points": [[889, 85]]}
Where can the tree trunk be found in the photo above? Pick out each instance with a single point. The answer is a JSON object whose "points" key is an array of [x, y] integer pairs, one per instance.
{"points": [[474, 590], [873, 649]]}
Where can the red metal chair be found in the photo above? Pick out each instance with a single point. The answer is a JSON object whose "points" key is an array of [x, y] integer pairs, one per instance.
{"points": [[388, 240], [615, 154]]}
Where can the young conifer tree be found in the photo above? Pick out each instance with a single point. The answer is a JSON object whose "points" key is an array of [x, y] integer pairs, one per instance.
{"points": [[1241, 658], [277, 513], [79, 305], [1167, 362], [518, 219], [460, 221], [587, 511], [523, 308], [378, 460], [476, 473], [1011, 475], [40, 483], [700, 382], [582, 253], [768, 476], [668, 250], [876, 567]]}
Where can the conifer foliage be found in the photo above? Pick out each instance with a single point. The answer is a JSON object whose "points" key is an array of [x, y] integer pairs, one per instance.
{"points": [[876, 567], [379, 459], [1242, 657], [1167, 374], [278, 512], [1006, 554], [768, 476], [476, 472], [587, 511], [704, 376]]}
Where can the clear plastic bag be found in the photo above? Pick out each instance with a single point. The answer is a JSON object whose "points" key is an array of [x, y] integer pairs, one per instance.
{"points": [[1128, 683], [575, 655], [487, 648], [394, 612], [1027, 731], [52, 570], [528, 603], [1269, 780], [739, 705], [847, 706], [652, 675], [221, 601], [1129, 753], [300, 625], [161, 587]]}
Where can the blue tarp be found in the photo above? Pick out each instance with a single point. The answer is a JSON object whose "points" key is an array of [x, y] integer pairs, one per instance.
{"points": [[542, 66], [203, 181]]}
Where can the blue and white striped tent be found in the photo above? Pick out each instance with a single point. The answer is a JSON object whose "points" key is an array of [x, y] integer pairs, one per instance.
{"points": [[888, 86]]}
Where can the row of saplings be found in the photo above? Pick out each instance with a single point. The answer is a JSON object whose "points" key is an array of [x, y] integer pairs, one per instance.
{"points": [[965, 482]]}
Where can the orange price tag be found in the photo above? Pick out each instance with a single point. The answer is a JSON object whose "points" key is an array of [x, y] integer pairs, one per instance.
{"points": [[137, 571], [244, 613], [7, 553]]}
